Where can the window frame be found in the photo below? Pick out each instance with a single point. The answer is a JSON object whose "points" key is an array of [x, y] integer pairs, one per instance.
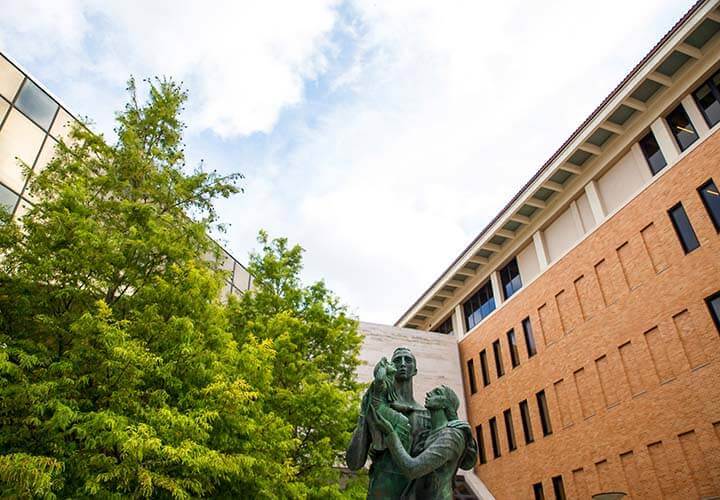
{"points": [[513, 347], [497, 352], [714, 90], [506, 280], [509, 430], [486, 290], [714, 217], [471, 376], [442, 324], [715, 317], [642, 140], [530, 344], [481, 444], [680, 236], [559, 487], [677, 109], [526, 421], [495, 438], [544, 411], [484, 370]]}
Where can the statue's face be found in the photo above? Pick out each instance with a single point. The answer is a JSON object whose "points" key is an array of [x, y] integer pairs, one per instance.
{"points": [[404, 362], [435, 399]]}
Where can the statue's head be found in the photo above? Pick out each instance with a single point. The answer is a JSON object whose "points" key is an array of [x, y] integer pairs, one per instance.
{"points": [[443, 397], [404, 362]]}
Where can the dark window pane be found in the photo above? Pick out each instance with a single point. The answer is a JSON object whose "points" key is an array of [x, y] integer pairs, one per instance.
{"points": [[494, 440], [538, 491], [683, 228], [8, 199], [713, 303], [484, 368], [544, 413], [708, 103], [509, 430], [529, 338], [36, 104], [445, 327], [481, 444], [653, 155], [711, 199], [471, 376], [526, 423], [681, 127], [514, 353], [498, 359], [479, 305], [557, 482], [510, 278]]}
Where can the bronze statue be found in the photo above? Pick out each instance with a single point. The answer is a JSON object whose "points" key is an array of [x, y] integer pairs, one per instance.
{"points": [[415, 461]]}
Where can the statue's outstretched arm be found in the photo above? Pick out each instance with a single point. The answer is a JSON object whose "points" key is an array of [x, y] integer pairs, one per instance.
{"points": [[433, 457], [357, 451]]}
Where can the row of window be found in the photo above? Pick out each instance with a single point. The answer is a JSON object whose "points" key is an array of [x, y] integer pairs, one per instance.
{"points": [[686, 234], [558, 489], [482, 302], [528, 435], [530, 347]]}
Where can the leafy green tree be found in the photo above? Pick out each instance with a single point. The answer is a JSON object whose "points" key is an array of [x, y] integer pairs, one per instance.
{"points": [[119, 373], [316, 344]]}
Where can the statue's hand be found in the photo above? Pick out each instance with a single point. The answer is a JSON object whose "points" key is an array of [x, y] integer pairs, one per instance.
{"points": [[382, 424]]}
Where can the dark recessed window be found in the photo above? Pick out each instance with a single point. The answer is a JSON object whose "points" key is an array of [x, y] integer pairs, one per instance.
{"points": [[538, 491], [494, 439], [707, 98], [559, 488], [653, 155], [36, 104], [484, 368], [8, 199], [479, 305], [713, 303], [471, 376], [544, 413], [529, 338], [711, 199], [514, 353], [510, 278], [681, 127], [481, 444], [527, 425], [509, 430], [683, 228], [445, 327], [498, 359]]}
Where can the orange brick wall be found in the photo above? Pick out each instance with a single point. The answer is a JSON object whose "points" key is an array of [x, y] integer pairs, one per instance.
{"points": [[628, 357]]}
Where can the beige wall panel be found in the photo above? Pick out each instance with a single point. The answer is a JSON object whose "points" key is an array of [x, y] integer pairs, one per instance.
{"points": [[528, 263], [561, 235], [61, 126], [10, 79], [4, 106], [241, 277], [19, 138], [620, 182], [586, 215]]}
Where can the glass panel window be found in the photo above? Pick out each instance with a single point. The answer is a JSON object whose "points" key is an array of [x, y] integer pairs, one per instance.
{"points": [[481, 444], [8, 199], [681, 127], [479, 305], [514, 353], [683, 228], [559, 488], [653, 155], [713, 303], [494, 439], [711, 199], [544, 413], [509, 430], [36, 104], [484, 368], [708, 103], [529, 338], [538, 491], [526, 423], [445, 327], [510, 278], [499, 369], [471, 376]]}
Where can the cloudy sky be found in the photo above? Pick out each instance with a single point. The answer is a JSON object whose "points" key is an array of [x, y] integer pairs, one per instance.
{"points": [[380, 135]]}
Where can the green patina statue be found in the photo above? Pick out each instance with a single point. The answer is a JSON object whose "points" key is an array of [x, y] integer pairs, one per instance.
{"points": [[415, 450]]}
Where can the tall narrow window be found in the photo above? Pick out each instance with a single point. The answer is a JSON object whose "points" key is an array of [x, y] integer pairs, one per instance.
{"points": [[713, 303], [494, 439], [711, 199], [498, 359], [707, 98], [512, 345], [538, 491], [481, 444], [681, 127], [510, 278], [653, 155], [479, 305], [529, 338], [484, 368], [509, 430], [471, 376], [445, 327], [526, 423], [683, 228], [559, 488], [544, 413]]}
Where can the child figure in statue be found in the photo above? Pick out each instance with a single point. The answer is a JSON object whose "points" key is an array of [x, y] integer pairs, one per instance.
{"points": [[382, 394]]}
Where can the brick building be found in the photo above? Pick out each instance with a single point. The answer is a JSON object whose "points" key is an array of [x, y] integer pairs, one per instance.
{"points": [[587, 313]]}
